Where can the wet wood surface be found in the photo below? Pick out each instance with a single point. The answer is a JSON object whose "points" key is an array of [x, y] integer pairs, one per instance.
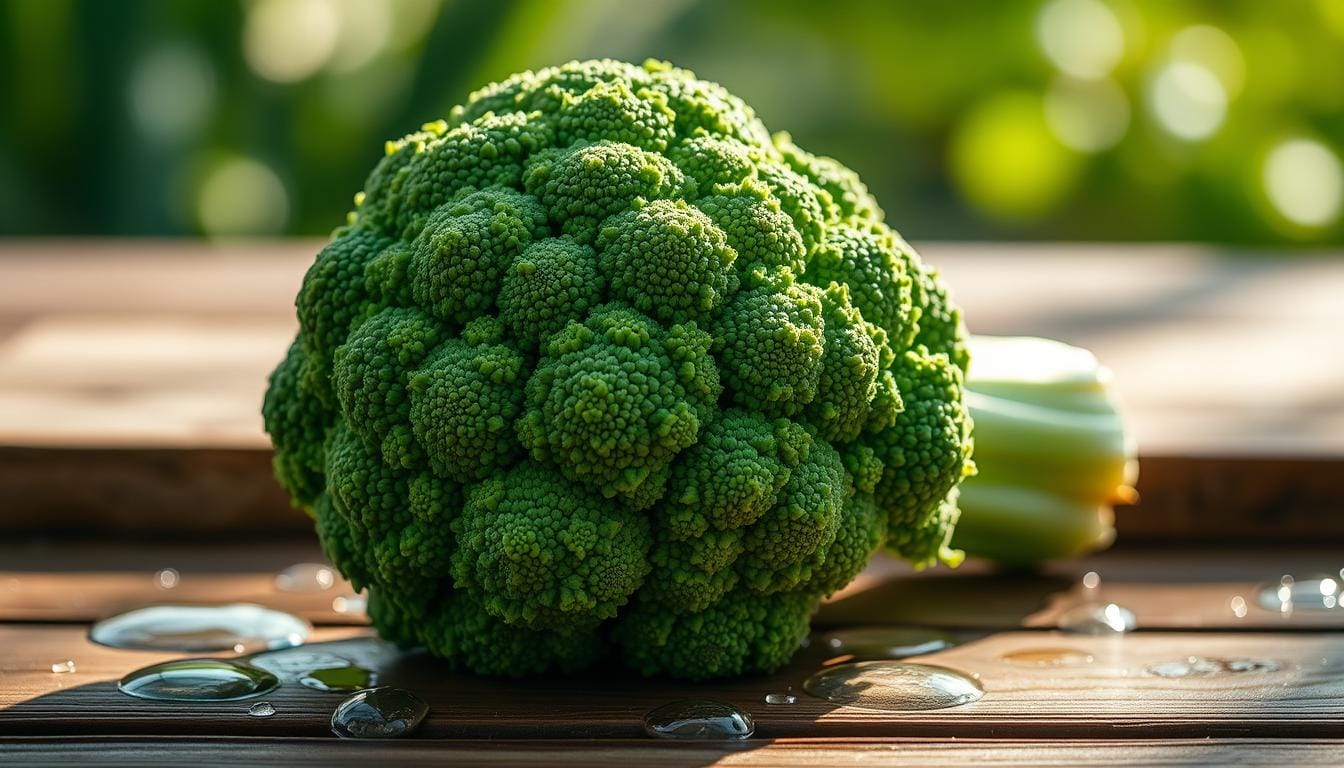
{"points": [[1108, 706]]}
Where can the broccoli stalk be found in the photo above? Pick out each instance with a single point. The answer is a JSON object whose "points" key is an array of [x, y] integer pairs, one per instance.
{"points": [[1051, 452]]}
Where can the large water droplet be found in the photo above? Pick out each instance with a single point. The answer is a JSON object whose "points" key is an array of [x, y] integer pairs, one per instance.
{"points": [[378, 713], [200, 628], [305, 577], [887, 642], [890, 686], [1049, 657], [1097, 619], [780, 698], [699, 719], [261, 709], [198, 680], [1199, 666], [63, 667], [1311, 593]]}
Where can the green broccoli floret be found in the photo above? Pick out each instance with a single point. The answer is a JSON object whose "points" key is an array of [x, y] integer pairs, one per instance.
{"points": [[608, 405], [297, 425], [925, 454], [756, 228], [709, 161], [545, 554], [744, 633], [461, 254], [584, 185], [599, 368], [548, 284], [463, 402], [370, 375], [667, 259], [769, 344]]}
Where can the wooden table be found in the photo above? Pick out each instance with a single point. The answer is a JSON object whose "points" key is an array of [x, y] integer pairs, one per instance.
{"points": [[129, 380]]}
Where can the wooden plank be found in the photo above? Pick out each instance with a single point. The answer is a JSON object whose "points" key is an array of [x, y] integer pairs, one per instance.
{"points": [[85, 581], [784, 753], [1196, 335], [1112, 697], [981, 598], [131, 375], [57, 596], [144, 492]]}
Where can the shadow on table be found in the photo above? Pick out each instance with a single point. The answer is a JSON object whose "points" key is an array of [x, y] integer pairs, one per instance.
{"points": [[987, 600]]}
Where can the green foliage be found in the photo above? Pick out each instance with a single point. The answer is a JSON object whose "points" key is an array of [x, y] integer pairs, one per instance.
{"points": [[660, 380]]}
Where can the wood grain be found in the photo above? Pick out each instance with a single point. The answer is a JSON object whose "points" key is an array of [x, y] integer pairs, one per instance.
{"points": [[1190, 589], [131, 373], [1196, 336], [63, 597], [1112, 697], [784, 753]]}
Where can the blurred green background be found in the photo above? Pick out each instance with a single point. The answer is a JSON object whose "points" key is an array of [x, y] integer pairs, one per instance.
{"points": [[1014, 119]]}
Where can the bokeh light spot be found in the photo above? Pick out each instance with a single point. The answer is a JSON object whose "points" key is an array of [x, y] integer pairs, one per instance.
{"points": [[1304, 182], [1081, 37], [1215, 50], [1087, 115], [241, 196], [171, 92], [1188, 100], [364, 30], [289, 40], [1007, 162]]}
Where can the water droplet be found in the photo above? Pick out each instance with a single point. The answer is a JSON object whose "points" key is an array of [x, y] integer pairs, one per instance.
{"points": [[378, 713], [305, 577], [261, 709], [343, 677], [699, 719], [1238, 606], [63, 667], [887, 642], [1199, 666], [198, 680], [1091, 580], [1311, 593], [199, 628], [167, 578], [780, 698], [350, 604], [890, 686], [1097, 619], [1049, 657]]}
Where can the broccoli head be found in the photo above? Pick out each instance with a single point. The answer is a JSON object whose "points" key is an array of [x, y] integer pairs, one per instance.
{"points": [[599, 368]]}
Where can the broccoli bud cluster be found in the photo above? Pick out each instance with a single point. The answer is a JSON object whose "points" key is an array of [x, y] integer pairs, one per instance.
{"points": [[599, 367]]}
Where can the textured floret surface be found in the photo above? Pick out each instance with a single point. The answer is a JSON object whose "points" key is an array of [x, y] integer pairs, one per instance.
{"points": [[600, 368]]}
